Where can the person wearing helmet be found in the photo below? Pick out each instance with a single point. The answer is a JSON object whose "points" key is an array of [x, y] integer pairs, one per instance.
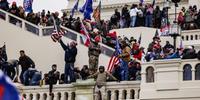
{"points": [[101, 78]]}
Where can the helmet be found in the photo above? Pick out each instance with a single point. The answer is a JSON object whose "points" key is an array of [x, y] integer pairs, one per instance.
{"points": [[101, 67]]}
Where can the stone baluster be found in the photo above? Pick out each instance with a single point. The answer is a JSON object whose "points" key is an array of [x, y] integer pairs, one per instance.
{"points": [[7, 17], [120, 95], [62, 96], [38, 96], [34, 96], [128, 94], [113, 96], [69, 96], [56, 96], [48, 97], [30, 96], [136, 94], [52, 97]]}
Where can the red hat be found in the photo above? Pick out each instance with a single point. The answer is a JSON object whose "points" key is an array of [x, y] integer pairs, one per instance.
{"points": [[97, 38], [13, 3]]}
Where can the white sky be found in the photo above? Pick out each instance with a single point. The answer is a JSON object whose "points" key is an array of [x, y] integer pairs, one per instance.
{"points": [[51, 5]]}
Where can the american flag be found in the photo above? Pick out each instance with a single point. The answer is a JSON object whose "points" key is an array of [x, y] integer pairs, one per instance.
{"points": [[97, 12], [57, 33], [85, 35], [55, 36], [114, 60]]}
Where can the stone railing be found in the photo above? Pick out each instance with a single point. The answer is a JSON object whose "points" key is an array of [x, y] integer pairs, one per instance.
{"points": [[191, 37], [170, 79], [46, 31], [82, 90]]}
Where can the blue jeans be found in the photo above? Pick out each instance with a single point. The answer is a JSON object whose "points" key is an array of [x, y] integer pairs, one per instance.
{"points": [[124, 70], [28, 76], [133, 20], [148, 21], [21, 77], [69, 71], [36, 79]]}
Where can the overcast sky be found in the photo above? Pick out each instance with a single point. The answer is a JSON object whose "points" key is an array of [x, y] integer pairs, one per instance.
{"points": [[52, 5]]}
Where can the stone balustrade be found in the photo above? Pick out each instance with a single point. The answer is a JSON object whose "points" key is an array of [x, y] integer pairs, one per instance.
{"points": [[170, 79], [191, 37], [82, 90]]}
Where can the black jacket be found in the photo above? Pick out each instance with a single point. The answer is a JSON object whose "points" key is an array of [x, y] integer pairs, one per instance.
{"points": [[70, 53], [26, 62]]}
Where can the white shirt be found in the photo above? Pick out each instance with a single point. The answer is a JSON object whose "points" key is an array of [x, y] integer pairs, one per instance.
{"points": [[133, 12]]}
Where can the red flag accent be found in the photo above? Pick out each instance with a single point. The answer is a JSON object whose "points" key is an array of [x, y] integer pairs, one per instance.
{"points": [[114, 60]]}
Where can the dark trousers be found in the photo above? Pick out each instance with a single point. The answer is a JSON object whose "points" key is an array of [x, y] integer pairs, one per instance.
{"points": [[69, 72]]}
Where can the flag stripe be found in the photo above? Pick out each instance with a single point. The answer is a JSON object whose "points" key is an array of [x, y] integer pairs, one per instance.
{"points": [[85, 36], [115, 59], [97, 12]]}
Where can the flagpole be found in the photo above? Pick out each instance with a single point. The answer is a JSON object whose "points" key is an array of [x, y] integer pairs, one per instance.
{"points": [[54, 22]]}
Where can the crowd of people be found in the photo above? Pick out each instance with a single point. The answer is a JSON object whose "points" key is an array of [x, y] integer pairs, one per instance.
{"points": [[131, 55], [137, 15], [189, 18]]}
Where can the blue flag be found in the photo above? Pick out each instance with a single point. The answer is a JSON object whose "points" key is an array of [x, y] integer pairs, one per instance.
{"points": [[28, 5], [7, 89], [118, 49], [75, 8], [87, 9]]}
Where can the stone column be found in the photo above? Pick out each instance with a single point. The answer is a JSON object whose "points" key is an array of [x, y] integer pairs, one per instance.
{"points": [[84, 89]]}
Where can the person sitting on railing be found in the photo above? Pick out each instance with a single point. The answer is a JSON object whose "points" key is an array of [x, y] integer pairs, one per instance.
{"points": [[101, 78], [134, 67], [4, 5], [173, 55], [15, 11], [167, 47], [189, 53], [77, 73], [53, 77], [84, 72]]}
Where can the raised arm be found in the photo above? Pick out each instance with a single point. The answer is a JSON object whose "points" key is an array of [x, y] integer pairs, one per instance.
{"points": [[63, 45]]}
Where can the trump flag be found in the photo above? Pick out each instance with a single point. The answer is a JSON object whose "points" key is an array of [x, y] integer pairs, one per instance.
{"points": [[28, 5], [7, 89]]}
